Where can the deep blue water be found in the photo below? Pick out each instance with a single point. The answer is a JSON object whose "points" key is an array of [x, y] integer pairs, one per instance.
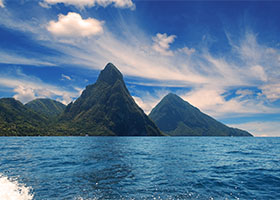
{"points": [[143, 167]]}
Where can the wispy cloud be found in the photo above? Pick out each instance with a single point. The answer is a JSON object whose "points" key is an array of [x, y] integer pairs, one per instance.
{"points": [[72, 25], [12, 58], [91, 3], [63, 76], [213, 101]]}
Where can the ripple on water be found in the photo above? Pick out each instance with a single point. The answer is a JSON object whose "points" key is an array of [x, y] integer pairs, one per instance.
{"points": [[142, 168]]}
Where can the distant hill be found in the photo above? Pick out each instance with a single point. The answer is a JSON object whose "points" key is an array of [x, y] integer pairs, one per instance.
{"points": [[177, 117], [17, 120], [106, 108], [46, 107]]}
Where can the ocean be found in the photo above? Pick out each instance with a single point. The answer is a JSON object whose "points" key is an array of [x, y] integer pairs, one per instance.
{"points": [[80, 168]]}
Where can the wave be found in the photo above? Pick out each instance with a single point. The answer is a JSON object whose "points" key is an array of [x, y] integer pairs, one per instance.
{"points": [[13, 190]]}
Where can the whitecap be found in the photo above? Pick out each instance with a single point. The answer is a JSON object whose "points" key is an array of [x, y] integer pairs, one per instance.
{"points": [[13, 190]]}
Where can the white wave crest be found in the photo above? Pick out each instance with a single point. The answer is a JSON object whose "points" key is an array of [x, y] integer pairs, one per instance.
{"points": [[13, 190]]}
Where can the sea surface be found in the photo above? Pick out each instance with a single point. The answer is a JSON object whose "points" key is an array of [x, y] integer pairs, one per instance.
{"points": [[79, 168]]}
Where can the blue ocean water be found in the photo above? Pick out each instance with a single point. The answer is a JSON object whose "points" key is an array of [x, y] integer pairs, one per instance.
{"points": [[140, 167]]}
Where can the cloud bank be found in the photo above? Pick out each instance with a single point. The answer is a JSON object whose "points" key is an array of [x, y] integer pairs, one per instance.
{"points": [[27, 88]]}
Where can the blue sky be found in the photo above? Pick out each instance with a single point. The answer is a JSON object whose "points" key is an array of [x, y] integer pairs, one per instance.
{"points": [[223, 57]]}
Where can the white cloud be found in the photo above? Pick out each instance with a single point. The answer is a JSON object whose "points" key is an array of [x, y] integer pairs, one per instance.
{"points": [[2, 4], [72, 25], [24, 94], [66, 77], [259, 72], [187, 51], [260, 129], [145, 107], [162, 43], [147, 100], [91, 3]]}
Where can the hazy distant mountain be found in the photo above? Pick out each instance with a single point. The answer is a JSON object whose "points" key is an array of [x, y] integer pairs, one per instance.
{"points": [[107, 108], [177, 117], [17, 120], [47, 107]]}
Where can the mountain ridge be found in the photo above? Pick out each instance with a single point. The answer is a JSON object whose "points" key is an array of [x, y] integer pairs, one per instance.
{"points": [[46, 107], [106, 108]]}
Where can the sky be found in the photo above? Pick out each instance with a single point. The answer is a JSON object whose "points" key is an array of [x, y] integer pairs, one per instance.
{"points": [[221, 56]]}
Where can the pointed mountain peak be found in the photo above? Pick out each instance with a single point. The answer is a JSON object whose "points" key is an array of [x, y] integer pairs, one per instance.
{"points": [[172, 96], [107, 108], [110, 74]]}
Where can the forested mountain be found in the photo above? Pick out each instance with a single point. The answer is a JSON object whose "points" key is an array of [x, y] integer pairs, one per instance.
{"points": [[17, 120], [106, 108]]}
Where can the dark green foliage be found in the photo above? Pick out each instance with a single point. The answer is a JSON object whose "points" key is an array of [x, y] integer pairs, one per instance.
{"points": [[46, 107], [177, 117], [106, 108], [16, 120]]}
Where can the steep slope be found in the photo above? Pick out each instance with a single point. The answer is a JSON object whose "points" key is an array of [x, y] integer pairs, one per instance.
{"points": [[17, 120], [106, 108], [47, 107], [177, 117]]}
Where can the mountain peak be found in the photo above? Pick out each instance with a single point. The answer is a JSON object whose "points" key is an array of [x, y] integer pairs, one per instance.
{"points": [[107, 108], [110, 74], [172, 96], [177, 117]]}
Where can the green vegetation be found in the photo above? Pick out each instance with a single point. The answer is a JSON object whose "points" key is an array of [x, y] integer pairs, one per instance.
{"points": [[46, 107], [176, 117], [16, 120]]}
